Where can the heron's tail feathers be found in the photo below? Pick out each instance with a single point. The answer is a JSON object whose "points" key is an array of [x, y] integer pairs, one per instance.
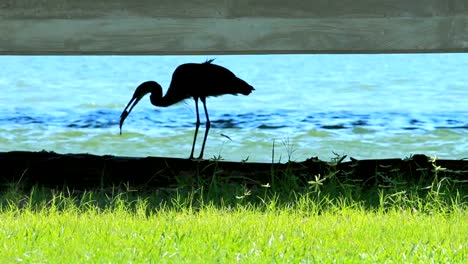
{"points": [[244, 88]]}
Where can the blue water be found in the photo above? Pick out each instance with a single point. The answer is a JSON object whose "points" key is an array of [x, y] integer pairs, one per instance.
{"points": [[364, 106]]}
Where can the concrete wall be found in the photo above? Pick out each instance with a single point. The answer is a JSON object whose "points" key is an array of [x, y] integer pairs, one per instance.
{"points": [[232, 26]]}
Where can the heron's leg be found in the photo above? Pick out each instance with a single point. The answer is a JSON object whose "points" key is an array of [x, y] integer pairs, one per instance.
{"points": [[208, 124], [196, 128]]}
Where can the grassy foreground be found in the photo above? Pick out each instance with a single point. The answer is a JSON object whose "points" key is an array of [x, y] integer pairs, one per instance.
{"points": [[221, 222]]}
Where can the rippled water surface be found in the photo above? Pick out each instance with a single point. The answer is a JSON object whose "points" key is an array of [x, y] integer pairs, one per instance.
{"points": [[364, 106]]}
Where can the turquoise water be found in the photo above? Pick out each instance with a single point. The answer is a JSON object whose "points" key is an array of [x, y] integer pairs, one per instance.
{"points": [[364, 106]]}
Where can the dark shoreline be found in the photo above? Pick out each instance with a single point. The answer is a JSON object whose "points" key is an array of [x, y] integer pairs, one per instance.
{"points": [[86, 171]]}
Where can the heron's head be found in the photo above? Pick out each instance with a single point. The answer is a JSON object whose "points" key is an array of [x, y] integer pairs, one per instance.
{"points": [[140, 92]]}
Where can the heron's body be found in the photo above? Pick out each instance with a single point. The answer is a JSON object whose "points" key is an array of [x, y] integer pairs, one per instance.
{"points": [[198, 80], [192, 80]]}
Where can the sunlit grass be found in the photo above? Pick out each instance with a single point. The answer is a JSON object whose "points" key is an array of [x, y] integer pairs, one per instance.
{"points": [[328, 220], [231, 235]]}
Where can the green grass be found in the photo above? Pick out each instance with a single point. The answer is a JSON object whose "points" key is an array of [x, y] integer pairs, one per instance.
{"points": [[328, 220], [222, 235]]}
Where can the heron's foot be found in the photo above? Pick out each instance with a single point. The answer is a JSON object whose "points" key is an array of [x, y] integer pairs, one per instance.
{"points": [[192, 158]]}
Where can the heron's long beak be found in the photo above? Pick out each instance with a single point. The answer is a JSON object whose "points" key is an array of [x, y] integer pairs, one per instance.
{"points": [[125, 113]]}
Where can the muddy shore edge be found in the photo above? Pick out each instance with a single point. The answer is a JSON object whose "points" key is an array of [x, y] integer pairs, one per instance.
{"points": [[81, 171]]}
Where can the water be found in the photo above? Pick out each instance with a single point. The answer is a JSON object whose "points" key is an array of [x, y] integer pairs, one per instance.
{"points": [[364, 106]]}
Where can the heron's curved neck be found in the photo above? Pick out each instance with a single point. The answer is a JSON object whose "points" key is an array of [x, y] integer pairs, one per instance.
{"points": [[158, 100]]}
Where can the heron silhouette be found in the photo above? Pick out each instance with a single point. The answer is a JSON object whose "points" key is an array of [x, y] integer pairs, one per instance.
{"points": [[191, 80]]}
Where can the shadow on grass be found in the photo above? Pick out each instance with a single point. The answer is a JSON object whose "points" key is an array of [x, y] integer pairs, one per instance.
{"points": [[432, 190]]}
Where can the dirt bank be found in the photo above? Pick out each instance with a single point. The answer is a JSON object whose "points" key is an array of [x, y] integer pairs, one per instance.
{"points": [[92, 171]]}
